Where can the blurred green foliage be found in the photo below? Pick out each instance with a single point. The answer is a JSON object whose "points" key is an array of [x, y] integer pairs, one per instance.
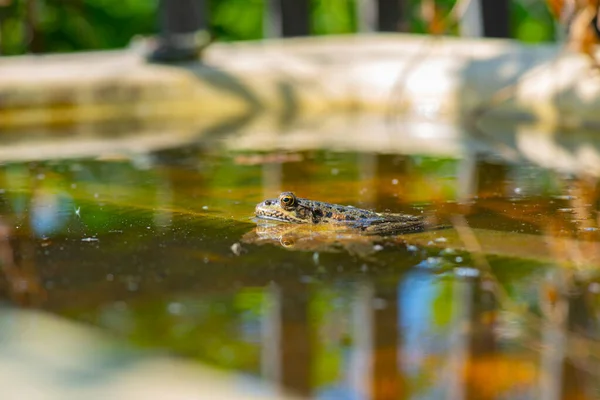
{"points": [[71, 25], [532, 21]]}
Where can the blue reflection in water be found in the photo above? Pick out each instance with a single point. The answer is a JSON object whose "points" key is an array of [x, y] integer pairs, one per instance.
{"points": [[339, 392], [415, 295], [343, 390], [420, 338], [50, 211]]}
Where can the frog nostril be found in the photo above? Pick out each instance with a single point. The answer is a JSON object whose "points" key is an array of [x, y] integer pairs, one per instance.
{"points": [[267, 203]]}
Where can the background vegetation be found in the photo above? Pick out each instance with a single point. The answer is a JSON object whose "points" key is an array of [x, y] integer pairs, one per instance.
{"points": [[71, 25]]}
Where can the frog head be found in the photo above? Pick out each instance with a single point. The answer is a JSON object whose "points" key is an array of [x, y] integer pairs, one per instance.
{"points": [[286, 208]]}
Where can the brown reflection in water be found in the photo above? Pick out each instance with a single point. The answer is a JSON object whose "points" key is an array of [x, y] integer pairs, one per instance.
{"points": [[574, 214], [570, 355], [18, 253], [298, 176], [176, 185], [286, 173], [397, 183], [393, 181], [484, 187], [368, 173], [17, 258], [492, 180], [584, 195], [381, 180], [295, 338], [485, 316], [386, 381], [271, 180], [578, 380]]}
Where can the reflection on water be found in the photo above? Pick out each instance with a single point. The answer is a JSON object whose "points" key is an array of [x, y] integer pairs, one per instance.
{"points": [[164, 253]]}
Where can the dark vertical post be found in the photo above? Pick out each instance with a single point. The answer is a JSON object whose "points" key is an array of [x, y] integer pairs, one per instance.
{"points": [[295, 17], [182, 16], [32, 17], [390, 15], [180, 22], [496, 18]]}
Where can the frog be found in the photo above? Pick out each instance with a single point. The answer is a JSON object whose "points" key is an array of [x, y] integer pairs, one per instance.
{"points": [[288, 208]]}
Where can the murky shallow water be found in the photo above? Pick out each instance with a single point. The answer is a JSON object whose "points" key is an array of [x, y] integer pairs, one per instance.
{"points": [[159, 249]]}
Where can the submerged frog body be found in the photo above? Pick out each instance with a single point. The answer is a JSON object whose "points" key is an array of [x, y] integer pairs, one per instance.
{"points": [[289, 208]]}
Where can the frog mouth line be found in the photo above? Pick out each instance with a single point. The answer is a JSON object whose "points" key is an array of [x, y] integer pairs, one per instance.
{"points": [[277, 216]]}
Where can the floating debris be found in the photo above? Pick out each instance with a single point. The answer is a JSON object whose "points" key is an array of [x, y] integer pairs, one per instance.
{"points": [[433, 261], [466, 272], [259, 159], [175, 308], [237, 249], [594, 287], [90, 239], [437, 263]]}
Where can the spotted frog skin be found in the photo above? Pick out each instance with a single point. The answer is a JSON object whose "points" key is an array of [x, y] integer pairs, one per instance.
{"points": [[291, 209]]}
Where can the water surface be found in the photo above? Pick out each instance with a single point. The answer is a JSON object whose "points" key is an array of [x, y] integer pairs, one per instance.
{"points": [[160, 250]]}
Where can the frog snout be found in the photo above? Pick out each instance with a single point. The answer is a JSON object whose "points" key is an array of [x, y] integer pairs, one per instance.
{"points": [[260, 206]]}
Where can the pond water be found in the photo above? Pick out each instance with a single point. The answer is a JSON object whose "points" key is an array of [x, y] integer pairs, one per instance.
{"points": [[160, 249]]}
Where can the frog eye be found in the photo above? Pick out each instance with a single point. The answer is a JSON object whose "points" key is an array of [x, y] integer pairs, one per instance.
{"points": [[287, 200], [287, 242]]}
